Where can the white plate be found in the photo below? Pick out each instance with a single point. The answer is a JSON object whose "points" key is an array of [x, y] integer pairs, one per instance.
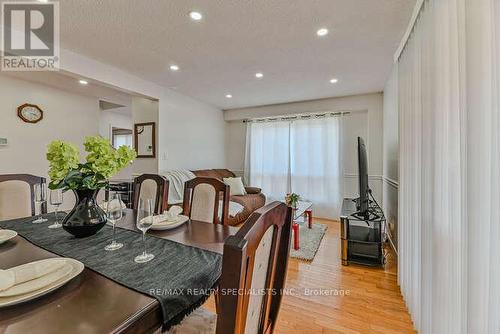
{"points": [[6, 235], [168, 224], [76, 268]]}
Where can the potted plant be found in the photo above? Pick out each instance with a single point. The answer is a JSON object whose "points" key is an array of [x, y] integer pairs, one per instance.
{"points": [[292, 200], [66, 172]]}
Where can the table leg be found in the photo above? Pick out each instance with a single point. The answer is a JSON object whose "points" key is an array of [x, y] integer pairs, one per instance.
{"points": [[295, 229], [310, 217]]}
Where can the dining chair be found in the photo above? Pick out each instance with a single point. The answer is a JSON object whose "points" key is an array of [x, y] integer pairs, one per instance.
{"points": [[17, 195], [254, 266], [151, 186], [203, 197]]}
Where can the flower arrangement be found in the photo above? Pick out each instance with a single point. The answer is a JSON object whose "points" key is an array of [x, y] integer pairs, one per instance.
{"points": [[102, 162], [292, 199]]}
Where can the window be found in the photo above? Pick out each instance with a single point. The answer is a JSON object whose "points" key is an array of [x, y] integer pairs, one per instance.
{"points": [[301, 156]]}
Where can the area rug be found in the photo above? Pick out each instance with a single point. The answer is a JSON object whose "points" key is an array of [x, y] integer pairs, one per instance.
{"points": [[309, 241]]}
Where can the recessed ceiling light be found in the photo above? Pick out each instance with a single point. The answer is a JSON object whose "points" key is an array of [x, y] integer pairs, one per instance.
{"points": [[322, 32], [174, 67], [83, 82], [229, 96], [196, 16], [43, 1], [334, 80], [259, 75]]}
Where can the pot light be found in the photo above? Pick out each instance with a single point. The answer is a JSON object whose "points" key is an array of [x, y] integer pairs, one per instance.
{"points": [[174, 67], [259, 75], [44, 1], [229, 96], [322, 32], [334, 80], [83, 82], [196, 16]]}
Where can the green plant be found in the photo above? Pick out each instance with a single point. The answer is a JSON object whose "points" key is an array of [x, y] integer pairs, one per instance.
{"points": [[292, 199], [102, 162]]}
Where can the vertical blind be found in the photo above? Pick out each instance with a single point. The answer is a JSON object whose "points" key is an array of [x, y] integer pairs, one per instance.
{"points": [[449, 217], [301, 156]]}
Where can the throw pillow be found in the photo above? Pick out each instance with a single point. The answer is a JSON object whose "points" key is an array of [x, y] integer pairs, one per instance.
{"points": [[236, 186]]}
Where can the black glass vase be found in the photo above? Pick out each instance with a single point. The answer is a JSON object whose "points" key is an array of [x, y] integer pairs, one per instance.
{"points": [[86, 218]]}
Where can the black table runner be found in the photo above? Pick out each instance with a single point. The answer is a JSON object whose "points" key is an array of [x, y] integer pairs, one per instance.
{"points": [[179, 277]]}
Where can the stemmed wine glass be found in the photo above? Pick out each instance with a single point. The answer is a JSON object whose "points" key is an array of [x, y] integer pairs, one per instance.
{"points": [[144, 222], [40, 198], [56, 199], [114, 213]]}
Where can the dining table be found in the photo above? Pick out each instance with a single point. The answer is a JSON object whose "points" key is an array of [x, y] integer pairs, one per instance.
{"points": [[91, 302]]}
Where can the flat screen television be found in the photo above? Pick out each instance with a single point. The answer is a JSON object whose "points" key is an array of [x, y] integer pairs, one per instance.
{"points": [[363, 201]]}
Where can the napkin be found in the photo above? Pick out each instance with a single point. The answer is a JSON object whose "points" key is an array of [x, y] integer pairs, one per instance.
{"points": [[28, 272], [173, 212]]}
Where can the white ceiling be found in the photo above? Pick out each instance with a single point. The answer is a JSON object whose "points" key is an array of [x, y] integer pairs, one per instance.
{"points": [[236, 39]]}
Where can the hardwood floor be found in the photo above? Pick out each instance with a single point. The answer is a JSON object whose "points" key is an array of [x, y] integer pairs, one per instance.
{"points": [[361, 299]]}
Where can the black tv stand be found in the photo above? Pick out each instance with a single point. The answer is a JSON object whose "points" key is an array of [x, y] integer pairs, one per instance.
{"points": [[362, 234]]}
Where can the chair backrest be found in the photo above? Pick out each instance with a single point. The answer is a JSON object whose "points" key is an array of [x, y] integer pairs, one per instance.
{"points": [[254, 264], [202, 199], [17, 195], [151, 186]]}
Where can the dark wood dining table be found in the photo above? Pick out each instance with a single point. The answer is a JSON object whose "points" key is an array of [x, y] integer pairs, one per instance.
{"points": [[92, 303]]}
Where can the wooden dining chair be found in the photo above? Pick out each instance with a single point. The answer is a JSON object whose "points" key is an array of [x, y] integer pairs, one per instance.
{"points": [[151, 186], [202, 198], [17, 195], [255, 260]]}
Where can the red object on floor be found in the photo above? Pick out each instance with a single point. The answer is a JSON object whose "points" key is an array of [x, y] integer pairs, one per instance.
{"points": [[295, 229], [309, 214]]}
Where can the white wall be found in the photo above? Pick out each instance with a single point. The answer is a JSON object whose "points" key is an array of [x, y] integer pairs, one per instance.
{"points": [[366, 120], [66, 116], [191, 134], [391, 155]]}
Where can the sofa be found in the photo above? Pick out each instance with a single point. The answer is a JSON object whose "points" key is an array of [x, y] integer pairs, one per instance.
{"points": [[253, 200]]}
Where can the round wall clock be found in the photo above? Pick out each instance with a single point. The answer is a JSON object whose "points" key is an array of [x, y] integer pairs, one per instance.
{"points": [[30, 113]]}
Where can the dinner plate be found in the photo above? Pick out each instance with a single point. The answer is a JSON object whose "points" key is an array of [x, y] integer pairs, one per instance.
{"points": [[162, 225], [6, 235], [76, 268]]}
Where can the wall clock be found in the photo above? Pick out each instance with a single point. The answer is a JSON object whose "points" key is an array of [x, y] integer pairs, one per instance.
{"points": [[30, 113]]}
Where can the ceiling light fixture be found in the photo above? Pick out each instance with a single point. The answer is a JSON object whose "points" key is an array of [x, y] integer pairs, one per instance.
{"points": [[174, 67], [229, 96], [322, 32], [195, 16], [259, 75], [334, 80], [83, 82], [44, 1]]}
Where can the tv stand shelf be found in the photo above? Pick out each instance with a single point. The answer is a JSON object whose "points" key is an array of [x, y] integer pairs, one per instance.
{"points": [[361, 238]]}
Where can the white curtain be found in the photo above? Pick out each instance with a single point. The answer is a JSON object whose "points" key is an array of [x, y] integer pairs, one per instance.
{"points": [[301, 156], [268, 158], [316, 163], [449, 218]]}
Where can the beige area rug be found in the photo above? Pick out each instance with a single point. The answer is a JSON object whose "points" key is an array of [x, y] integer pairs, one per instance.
{"points": [[309, 241]]}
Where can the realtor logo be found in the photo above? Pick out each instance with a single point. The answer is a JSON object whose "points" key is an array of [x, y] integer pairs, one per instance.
{"points": [[30, 36]]}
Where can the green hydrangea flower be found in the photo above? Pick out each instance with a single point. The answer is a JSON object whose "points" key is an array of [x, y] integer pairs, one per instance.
{"points": [[103, 161]]}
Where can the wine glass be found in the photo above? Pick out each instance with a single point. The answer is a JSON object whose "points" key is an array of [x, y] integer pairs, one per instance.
{"points": [[56, 199], [40, 198], [114, 213], [144, 222]]}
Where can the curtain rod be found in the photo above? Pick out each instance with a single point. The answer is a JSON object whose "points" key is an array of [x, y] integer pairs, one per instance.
{"points": [[297, 117], [416, 13]]}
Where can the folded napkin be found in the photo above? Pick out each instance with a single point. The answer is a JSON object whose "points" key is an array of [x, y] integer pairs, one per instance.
{"points": [[173, 212], [28, 272]]}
